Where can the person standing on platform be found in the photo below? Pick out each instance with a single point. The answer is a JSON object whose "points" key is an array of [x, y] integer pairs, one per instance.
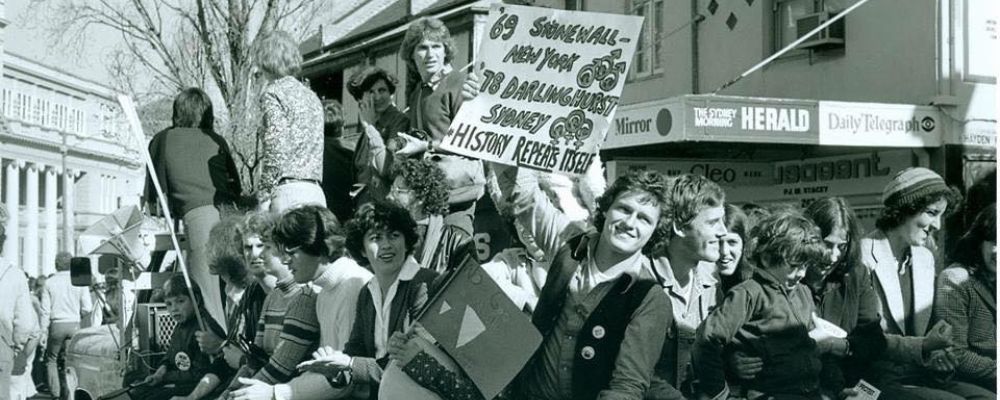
{"points": [[63, 307], [428, 51], [291, 130], [196, 171]]}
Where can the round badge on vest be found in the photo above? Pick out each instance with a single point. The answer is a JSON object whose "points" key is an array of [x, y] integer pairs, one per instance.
{"points": [[598, 332], [587, 353], [182, 361]]}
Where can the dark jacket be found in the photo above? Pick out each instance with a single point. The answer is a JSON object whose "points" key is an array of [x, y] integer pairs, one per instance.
{"points": [[763, 318], [362, 341], [850, 302], [194, 168], [185, 361]]}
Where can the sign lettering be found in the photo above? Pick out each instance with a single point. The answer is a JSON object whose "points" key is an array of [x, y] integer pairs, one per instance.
{"points": [[549, 88]]}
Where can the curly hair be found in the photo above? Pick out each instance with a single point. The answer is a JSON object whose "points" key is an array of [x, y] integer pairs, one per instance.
{"points": [[380, 214], [427, 181], [333, 117], [260, 224], [984, 228], [689, 194], [786, 237], [892, 217], [313, 229], [278, 54], [653, 184], [225, 250], [365, 78], [835, 212], [426, 28]]}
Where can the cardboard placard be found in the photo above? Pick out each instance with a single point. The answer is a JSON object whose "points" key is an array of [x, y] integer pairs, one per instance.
{"points": [[550, 84]]}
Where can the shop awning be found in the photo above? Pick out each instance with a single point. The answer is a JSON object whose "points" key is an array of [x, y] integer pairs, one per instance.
{"points": [[733, 119]]}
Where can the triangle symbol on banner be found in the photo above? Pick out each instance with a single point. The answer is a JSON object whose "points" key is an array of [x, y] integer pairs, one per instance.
{"points": [[444, 307], [471, 328]]}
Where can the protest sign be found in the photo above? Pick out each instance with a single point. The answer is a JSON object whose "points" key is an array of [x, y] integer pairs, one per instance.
{"points": [[550, 82], [480, 327]]}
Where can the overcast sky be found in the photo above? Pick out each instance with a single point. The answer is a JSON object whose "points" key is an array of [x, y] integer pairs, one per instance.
{"points": [[24, 37]]}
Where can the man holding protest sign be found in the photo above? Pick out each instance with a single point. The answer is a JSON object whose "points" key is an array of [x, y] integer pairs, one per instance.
{"points": [[428, 51], [601, 313]]}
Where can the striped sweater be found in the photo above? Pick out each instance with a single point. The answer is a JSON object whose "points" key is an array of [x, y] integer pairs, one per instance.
{"points": [[298, 339], [272, 316]]}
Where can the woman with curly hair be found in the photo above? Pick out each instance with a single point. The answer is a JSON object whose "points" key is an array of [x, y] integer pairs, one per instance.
{"points": [[420, 188], [292, 127], [381, 236], [917, 358], [967, 299]]}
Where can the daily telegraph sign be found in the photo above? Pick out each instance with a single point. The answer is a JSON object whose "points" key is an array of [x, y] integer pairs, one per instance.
{"points": [[877, 124], [550, 84]]}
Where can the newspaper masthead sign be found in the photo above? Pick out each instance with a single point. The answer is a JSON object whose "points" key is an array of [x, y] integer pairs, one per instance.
{"points": [[550, 82]]}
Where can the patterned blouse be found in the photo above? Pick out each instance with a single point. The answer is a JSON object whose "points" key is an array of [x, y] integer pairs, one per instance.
{"points": [[292, 133]]}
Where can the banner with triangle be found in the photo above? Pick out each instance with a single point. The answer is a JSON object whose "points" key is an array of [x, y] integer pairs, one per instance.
{"points": [[480, 327]]}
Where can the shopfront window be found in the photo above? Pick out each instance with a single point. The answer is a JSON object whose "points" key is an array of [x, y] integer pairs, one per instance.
{"points": [[648, 53]]}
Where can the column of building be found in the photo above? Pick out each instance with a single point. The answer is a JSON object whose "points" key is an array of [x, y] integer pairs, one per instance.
{"points": [[11, 250], [69, 208], [51, 238], [41, 228], [31, 253]]}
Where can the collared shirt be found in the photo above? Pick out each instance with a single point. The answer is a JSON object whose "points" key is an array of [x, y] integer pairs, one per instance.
{"points": [[552, 378], [292, 142], [384, 306], [592, 276], [433, 105], [692, 304], [690, 307]]}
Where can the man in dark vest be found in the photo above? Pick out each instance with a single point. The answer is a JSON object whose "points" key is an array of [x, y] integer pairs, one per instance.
{"points": [[601, 312]]}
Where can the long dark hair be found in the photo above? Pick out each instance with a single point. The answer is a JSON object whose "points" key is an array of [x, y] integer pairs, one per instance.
{"points": [[835, 212], [967, 251], [737, 222]]}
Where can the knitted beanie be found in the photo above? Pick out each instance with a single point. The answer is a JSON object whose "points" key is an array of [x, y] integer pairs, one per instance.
{"points": [[911, 184]]}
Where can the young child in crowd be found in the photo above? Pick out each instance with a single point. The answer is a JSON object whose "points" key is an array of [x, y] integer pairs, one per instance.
{"points": [[768, 316], [185, 372]]}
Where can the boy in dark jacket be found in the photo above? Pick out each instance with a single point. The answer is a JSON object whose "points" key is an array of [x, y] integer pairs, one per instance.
{"points": [[185, 371], [769, 316]]}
